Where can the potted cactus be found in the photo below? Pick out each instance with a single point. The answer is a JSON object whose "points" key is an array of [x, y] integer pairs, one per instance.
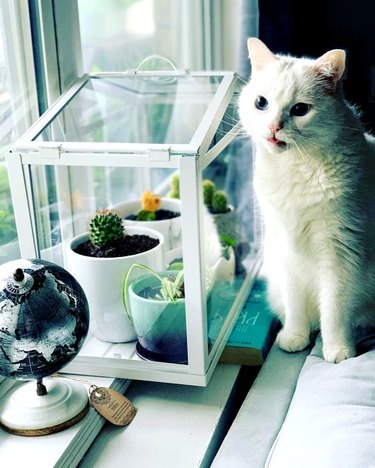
{"points": [[160, 213], [100, 258], [155, 303], [219, 221]]}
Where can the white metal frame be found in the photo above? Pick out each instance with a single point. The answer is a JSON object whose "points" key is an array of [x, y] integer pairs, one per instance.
{"points": [[190, 159]]}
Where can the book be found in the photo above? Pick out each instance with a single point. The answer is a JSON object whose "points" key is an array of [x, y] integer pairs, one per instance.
{"points": [[254, 331]]}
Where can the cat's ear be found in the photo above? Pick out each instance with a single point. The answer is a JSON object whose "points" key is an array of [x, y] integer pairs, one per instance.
{"points": [[259, 54], [331, 67]]}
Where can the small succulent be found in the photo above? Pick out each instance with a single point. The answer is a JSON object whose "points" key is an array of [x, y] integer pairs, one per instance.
{"points": [[105, 228], [227, 243], [150, 203], [208, 191], [219, 202], [175, 186]]}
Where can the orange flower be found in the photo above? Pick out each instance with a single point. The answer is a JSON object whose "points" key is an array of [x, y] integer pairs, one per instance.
{"points": [[150, 201]]}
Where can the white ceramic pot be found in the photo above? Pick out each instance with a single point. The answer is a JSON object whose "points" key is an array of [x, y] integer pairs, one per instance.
{"points": [[224, 268], [102, 280], [170, 228]]}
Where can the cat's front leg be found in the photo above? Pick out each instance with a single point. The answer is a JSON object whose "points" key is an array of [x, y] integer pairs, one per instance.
{"points": [[295, 334], [336, 329]]}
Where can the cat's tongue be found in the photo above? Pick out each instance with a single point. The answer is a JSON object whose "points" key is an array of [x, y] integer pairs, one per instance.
{"points": [[274, 141]]}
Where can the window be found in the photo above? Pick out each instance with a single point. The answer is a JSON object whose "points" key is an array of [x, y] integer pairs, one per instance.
{"points": [[18, 106], [45, 45], [194, 34]]}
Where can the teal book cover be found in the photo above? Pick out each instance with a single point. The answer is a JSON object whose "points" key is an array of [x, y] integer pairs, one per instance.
{"points": [[254, 330]]}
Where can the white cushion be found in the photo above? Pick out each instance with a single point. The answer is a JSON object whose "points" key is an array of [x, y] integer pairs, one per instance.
{"points": [[331, 419]]}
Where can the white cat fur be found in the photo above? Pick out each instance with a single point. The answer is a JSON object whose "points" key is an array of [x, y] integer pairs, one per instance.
{"points": [[315, 181]]}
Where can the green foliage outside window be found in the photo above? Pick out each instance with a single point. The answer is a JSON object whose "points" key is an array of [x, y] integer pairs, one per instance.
{"points": [[8, 231]]}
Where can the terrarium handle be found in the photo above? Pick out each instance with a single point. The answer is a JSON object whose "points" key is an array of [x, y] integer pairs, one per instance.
{"points": [[156, 57]]}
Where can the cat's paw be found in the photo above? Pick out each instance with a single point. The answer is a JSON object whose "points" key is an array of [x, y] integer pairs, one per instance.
{"points": [[336, 354], [292, 342]]}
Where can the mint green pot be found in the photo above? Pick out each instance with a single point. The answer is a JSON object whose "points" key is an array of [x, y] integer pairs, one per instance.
{"points": [[160, 325]]}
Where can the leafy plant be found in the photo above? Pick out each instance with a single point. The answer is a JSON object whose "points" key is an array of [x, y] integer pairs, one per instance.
{"points": [[170, 288], [227, 242], [150, 203], [105, 228], [7, 228]]}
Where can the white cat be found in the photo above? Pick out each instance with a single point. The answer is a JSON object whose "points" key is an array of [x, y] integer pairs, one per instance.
{"points": [[315, 180]]}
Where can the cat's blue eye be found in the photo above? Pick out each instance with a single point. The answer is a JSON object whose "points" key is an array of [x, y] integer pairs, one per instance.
{"points": [[261, 103], [300, 109]]}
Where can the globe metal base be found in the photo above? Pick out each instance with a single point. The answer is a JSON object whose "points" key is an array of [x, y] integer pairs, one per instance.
{"points": [[23, 412]]}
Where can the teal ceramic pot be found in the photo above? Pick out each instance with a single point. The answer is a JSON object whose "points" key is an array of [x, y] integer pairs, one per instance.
{"points": [[160, 325]]}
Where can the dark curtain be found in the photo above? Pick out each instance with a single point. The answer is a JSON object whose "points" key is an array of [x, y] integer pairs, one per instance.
{"points": [[311, 28]]}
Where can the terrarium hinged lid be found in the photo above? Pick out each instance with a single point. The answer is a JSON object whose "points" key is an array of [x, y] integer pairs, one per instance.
{"points": [[159, 113]]}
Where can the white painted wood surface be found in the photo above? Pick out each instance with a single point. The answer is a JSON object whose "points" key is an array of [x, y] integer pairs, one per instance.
{"points": [[175, 425]]}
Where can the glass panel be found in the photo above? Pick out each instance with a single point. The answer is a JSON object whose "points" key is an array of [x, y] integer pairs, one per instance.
{"points": [[93, 189], [18, 109], [132, 30], [161, 328], [135, 109], [230, 117], [228, 196]]}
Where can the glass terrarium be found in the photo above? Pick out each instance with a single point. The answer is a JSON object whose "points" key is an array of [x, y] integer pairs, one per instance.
{"points": [[108, 141]]}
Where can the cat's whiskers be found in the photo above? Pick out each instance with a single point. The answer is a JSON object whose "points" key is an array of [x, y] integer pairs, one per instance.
{"points": [[306, 156]]}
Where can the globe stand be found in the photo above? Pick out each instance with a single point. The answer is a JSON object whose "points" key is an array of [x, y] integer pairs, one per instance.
{"points": [[55, 405]]}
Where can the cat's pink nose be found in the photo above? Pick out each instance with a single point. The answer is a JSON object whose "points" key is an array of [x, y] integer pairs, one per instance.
{"points": [[274, 128]]}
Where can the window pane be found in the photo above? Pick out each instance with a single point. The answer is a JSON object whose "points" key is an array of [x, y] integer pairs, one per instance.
{"points": [[17, 108], [131, 30]]}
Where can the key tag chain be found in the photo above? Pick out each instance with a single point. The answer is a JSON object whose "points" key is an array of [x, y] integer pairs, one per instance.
{"points": [[113, 406]]}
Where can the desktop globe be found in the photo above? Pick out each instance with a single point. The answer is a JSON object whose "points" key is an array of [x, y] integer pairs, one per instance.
{"points": [[44, 320]]}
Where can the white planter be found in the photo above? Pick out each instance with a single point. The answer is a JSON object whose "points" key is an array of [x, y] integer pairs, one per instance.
{"points": [[225, 267], [170, 228], [102, 279], [227, 223]]}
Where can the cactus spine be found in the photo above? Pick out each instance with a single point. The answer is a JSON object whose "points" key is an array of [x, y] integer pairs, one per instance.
{"points": [[105, 228]]}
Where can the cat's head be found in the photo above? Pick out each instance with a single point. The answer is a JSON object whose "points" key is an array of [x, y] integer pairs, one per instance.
{"points": [[289, 101]]}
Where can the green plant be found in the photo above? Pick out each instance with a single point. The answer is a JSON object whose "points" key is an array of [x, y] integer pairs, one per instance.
{"points": [[208, 191], [105, 228], [219, 202], [150, 203], [215, 200], [8, 230], [175, 186], [228, 243], [170, 288]]}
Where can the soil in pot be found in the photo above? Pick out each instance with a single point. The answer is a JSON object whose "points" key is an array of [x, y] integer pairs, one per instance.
{"points": [[160, 215], [129, 245], [211, 211]]}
